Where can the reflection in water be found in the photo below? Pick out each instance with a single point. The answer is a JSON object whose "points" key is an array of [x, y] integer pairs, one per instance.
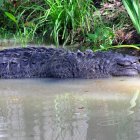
{"points": [[15, 117], [12, 117], [133, 102], [69, 109]]}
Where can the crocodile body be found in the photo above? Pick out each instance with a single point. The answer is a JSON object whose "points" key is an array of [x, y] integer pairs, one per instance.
{"points": [[59, 63]]}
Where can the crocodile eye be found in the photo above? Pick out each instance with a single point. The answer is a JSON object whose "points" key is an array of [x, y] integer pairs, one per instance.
{"points": [[137, 61], [124, 63]]}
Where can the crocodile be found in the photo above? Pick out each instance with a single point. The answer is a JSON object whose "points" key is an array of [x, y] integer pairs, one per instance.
{"points": [[41, 62]]}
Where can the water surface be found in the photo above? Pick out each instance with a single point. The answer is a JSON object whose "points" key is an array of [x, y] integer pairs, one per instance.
{"points": [[72, 109]]}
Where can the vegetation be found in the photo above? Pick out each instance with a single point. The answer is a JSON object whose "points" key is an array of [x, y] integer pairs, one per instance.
{"points": [[93, 24], [133, 9], [101, 38], [60, 20]]}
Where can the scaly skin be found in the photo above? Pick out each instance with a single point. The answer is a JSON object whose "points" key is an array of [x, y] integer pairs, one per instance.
{"points": [[59, 63]]}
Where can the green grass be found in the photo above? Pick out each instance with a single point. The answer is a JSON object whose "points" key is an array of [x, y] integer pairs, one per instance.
{"points": [[60, 20]]}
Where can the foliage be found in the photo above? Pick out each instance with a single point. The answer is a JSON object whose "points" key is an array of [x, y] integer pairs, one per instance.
{"points": [[11, 17], [24, 34], [60, 19], [13, 22], [133, 9], [101, 38]]}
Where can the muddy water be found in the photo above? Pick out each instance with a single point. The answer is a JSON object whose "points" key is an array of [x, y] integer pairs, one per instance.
{"points": [[53, 109]]}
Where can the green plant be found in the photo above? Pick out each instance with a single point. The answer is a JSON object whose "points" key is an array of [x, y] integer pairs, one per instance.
{"points": [[12, 18], [69, 16], [101, 38], [23, 34], [133, 9], [1, 2], [119, 47], [59, 19]]}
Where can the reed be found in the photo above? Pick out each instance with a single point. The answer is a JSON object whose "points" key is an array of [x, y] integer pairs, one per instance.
{"points": [[133, 9]]}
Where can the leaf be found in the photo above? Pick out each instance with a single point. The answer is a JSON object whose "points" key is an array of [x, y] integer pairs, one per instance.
{"points": [[91, 36], [133, 8], [102, 47], [1, 2], [11, 16]]}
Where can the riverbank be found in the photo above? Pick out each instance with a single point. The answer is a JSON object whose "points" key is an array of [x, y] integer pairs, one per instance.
{"points": [[100, 24]]}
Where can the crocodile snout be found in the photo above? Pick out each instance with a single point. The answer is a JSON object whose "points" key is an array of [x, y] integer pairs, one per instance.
{"points": [[138, 65]]}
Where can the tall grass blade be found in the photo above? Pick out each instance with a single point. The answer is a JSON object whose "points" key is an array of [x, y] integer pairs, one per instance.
{"points": [[133, 9], [11, 17]]}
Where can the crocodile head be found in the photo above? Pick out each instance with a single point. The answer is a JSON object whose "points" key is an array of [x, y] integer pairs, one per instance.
{"points": [[125, 65]]}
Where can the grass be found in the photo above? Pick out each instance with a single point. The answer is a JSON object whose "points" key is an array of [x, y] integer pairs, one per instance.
{"points": [[57, 19], [62, 22]]}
